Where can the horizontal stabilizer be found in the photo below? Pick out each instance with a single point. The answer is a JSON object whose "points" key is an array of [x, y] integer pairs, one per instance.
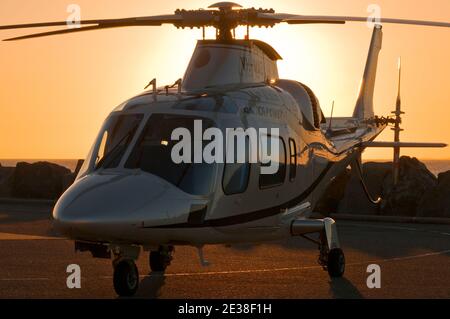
{"points": [[402, 144]]}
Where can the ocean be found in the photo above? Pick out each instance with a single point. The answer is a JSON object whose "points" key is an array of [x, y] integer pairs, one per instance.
{"points": [[435, 166]]}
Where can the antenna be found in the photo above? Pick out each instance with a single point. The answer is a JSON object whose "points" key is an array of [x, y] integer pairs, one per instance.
{"points": [[331, 118], [398, 120], [155, 92]]}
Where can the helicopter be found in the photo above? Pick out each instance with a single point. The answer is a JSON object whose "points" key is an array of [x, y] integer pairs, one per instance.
{"points": [[130, 195]]}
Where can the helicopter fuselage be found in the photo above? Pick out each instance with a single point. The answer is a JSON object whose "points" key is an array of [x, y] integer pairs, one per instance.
{"points": [[144, 203]]}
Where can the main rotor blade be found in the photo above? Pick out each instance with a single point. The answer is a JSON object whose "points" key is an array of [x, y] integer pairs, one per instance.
{"points": [[301, 19], [65, 31], [295, 19], [97, 25], [151, 20], [205, 18]]}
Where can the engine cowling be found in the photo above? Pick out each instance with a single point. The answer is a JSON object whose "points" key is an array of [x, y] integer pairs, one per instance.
{"points": [[306, 100]]}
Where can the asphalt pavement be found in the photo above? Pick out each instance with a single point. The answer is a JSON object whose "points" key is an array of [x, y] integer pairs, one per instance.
{"points": [[414, 262]]}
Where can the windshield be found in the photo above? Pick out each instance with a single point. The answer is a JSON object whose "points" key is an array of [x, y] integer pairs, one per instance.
{"points": [[117, 135], [153, 150]]}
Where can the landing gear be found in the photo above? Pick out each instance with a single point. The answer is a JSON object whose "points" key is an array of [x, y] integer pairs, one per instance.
{"points": [[159, 260], [332, 260], [336, 263], [126, 277], [331, 256]]}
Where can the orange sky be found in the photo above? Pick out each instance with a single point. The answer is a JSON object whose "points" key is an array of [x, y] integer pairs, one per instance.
{"points": [[55, 92]]}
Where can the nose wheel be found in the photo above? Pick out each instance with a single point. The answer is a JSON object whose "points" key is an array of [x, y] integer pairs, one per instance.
{"points": [[159, 260], [126, 278]]}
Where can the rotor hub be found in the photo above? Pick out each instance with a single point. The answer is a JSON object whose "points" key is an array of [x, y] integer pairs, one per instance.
{"points": [[224, 17]]}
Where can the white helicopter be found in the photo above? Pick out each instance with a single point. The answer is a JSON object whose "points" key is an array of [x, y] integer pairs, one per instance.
{"points": [[129, 194]]}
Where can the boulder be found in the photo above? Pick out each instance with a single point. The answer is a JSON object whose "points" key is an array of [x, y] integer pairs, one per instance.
{"points": [[40, 180], [402, 200], [355, 201], [436, 201], [6, 174], [414, 181]]}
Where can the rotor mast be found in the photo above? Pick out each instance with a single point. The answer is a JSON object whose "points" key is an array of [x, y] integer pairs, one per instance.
{"points": [[225, 25]]}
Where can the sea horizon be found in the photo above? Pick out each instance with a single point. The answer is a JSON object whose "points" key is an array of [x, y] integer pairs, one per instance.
{"points": [[436, 166]]}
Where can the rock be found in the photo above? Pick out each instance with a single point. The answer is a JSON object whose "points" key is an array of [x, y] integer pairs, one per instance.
{"points": [[355, 201], [6, 174], [436, 201], [68, 180], [414, 180], [40, 180], [402, 200]]}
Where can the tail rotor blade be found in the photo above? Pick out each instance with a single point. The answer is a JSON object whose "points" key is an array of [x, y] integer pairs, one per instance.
{"points": [[399, 81]]}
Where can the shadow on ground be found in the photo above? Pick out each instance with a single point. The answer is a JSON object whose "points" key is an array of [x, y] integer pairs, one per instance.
{"points": [[376, 239], [150, 287], [342, 288]]}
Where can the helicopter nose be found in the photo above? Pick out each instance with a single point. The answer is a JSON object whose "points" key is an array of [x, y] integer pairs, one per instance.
{"points": [[99, 207]]}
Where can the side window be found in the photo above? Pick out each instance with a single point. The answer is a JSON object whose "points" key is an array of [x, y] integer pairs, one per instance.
{"points": [[293, 160], [276, 179], [236, 175]]}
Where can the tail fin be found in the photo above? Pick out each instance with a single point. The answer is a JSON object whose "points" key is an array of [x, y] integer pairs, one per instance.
{"points": [[364, 104]]}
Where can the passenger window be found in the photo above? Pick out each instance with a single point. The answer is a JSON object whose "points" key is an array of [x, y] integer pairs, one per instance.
{"points": [[293, 160], [236, 175], [276, 179]]}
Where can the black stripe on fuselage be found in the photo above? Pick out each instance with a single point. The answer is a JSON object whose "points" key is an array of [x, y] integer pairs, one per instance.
{"points": [[256, 215]]}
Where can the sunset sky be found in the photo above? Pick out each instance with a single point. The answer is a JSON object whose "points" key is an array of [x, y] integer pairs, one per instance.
{"points": [[55, 92]]}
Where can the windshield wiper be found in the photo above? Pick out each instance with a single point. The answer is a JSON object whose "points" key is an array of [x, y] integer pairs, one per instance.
{"points": [[111, 156], [184, 173]]}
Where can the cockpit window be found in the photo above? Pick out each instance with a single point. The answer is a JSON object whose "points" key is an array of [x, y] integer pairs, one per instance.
{"points": [[115, 139], [152, 154]]}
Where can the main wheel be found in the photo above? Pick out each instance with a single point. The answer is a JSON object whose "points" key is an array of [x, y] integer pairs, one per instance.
{"points": [[336, 263], [126, 278], [160, 260]]}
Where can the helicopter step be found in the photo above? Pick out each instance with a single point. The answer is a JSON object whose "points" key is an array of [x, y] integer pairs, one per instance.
{"points": [[331, 256]]}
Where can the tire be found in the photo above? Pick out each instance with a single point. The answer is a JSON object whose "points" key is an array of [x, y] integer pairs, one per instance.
{"points": [[126, 278], [336, 263], [158, 261]]}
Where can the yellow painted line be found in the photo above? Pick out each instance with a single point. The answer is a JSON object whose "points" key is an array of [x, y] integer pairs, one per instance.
{"points": [[9, 236], [286, 269]]}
